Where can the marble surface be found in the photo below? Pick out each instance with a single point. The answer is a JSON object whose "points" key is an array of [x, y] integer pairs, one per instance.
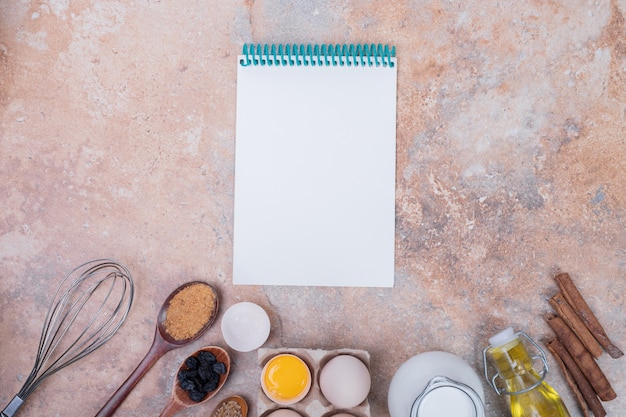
{"points": [[117, 140]]}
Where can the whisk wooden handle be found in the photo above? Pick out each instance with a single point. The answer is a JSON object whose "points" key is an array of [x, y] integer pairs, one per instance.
{"points": [[159, 348]]}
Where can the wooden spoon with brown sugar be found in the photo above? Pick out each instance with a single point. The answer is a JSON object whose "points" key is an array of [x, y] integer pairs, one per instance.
{"points": [[164, 341]]}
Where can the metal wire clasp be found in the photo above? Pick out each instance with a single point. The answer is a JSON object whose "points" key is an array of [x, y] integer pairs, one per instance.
{"points": [[542, 374], [10, 409]]}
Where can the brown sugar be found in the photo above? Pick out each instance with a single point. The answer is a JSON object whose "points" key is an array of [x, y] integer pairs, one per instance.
{"points": [[189, 311]]}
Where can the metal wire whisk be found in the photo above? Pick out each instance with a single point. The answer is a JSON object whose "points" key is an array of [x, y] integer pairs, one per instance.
{"points": [[89, 306]]}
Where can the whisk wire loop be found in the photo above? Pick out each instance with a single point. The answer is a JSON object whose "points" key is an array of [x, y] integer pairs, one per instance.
{"points": [[68, 320], [98, 299]]}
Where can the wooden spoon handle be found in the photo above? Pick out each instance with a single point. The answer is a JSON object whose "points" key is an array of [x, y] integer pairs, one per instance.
{"points": [[158, 348], [172, 408]]}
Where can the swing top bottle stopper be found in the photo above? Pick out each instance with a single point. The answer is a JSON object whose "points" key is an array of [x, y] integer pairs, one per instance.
{"points": [[528, 393]]}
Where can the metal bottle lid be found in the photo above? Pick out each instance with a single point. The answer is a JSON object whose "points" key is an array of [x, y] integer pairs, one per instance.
{"points": [[444, 397]]}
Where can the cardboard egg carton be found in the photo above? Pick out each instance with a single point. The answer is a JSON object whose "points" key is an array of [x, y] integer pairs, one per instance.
{"points": [[314, 404]]}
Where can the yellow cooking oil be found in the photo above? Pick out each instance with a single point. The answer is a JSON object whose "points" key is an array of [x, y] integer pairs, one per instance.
{"points": [[515, 368]]}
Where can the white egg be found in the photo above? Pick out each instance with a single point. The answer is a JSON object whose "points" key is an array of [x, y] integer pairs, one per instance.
{"points": [[345, 381], [283, 412]]}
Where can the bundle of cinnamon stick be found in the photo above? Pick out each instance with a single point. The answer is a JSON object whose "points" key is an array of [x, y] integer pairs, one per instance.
{"points": [[579, 341]]}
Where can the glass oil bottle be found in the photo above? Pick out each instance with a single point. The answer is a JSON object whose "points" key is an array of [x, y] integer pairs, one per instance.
{"points": [[529, 394]]}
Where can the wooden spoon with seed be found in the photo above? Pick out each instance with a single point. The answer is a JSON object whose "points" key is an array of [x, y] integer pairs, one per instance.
{"points": [[236, 399]]}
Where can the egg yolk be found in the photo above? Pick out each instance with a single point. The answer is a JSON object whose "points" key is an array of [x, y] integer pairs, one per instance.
{"points": [[286, 377]]}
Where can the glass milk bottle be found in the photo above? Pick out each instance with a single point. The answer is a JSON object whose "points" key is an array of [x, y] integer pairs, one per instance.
{"points": [[529, 395], [436, 384]]}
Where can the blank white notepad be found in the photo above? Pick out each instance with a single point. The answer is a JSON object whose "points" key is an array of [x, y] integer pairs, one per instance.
{"points": [[315, 166]]}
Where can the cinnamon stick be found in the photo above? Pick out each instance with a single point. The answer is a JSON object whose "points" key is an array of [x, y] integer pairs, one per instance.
{"points": [[578, 303], [583, 358], [567, 313], [572, 384], [579, 385]]}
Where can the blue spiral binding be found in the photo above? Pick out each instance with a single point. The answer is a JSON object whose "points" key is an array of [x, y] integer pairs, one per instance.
{"points": [[359, 55]]}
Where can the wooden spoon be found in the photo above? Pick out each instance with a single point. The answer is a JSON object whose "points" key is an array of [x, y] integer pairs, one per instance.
{"points": [[161, 344], [180, 398], [242, 404]]}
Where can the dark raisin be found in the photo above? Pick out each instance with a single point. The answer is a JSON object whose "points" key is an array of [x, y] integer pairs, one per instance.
{"points": [[197, 396], [187, 384], [199, 382], [215, 378], [207, 357], [219, 368], [192, 362], [205, 372], [210, 386], [187, 374]]}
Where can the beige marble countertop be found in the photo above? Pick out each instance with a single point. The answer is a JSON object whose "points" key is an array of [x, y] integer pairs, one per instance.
{"points": [[117, 136]]}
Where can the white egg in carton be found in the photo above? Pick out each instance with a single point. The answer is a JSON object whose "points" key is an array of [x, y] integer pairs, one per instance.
{"points": [[314, 404]]}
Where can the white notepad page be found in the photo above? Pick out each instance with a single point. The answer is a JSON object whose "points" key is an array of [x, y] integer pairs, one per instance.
{"points": [[315, 175]]}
